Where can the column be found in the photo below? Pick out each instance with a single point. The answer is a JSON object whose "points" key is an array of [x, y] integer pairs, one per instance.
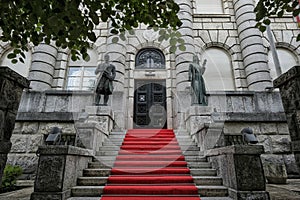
{"points": [[117, 53], [184, 57], [253, 52], [43, 66]]}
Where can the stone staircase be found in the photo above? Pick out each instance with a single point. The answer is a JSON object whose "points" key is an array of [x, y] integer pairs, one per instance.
{"points": [[90, 185]]}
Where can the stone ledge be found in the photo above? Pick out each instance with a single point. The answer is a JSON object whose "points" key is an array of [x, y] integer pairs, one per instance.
{"points": [[64, 150], [47, 116], [249, 117], [287, 76], [14, 76], [236, 149]]}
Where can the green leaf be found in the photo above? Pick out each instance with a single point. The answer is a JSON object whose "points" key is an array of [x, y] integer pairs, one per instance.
{"points": [[14, 61], [173, 49], [115, 40], [173, 42], [11, 55], [92, 36], [21, 60], [267, 22], [182, 48], [131, 32], [122, 36], [262, 28], [86, 57], [280, 13], [114, 31], [296, 12]]}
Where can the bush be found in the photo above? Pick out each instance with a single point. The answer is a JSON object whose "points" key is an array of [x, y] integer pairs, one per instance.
{"points": [[9, 179]]}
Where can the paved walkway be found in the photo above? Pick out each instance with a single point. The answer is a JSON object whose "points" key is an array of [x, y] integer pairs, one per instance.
{"points": [[289, 191]]}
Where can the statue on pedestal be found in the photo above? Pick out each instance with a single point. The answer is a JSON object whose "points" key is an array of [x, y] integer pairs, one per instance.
{"points": [[106, 73], [197, 82]]}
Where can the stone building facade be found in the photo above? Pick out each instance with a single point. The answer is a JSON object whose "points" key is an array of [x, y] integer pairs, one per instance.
{"points": [[239, 73]]}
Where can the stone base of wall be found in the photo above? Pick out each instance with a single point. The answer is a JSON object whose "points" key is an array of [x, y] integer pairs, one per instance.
{"points": [[58, 170], [241, 168]]}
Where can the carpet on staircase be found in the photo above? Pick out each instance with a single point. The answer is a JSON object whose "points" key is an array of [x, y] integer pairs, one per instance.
{"points": [[150, 166]]}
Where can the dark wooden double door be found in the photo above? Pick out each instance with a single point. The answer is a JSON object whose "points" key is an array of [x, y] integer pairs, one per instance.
{"points": [[150, 104]]}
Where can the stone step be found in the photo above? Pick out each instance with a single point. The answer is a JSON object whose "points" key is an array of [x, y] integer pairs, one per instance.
{"points": [[107, 153], [96, 191], [187, 158], [92, 181], [195, 158], [109, 148], [212, 198], [192, 153], [208, 180], [198, 180], [203, 172], [212, 191], [96, 172], [104, 164], [199, 164], [101, 165], [116, 136], [112, 144], [87, 191], [104, 158], [185, 141], [84, 198], [189, 148], [99, 198]]}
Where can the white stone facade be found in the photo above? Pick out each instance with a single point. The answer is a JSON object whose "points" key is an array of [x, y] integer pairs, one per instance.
{"points": [[228, 28]]}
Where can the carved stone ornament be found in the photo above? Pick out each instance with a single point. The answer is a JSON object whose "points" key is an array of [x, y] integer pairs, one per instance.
{"points": [[150, 35]]}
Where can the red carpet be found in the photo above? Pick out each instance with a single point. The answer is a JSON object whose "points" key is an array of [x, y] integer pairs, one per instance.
{"points": [[150, 166]]}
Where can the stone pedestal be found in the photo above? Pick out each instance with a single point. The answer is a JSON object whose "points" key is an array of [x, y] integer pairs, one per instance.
{"points": [[98, 125], [241, 168], [55, 164], [197, 116], [199, 124], [289, 86], [11, 87]]}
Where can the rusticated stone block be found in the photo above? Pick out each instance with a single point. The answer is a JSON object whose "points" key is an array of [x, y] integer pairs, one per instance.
{"points": [[50, 174], [289, 86], [241, 168], [11, 87], [55, 164]]}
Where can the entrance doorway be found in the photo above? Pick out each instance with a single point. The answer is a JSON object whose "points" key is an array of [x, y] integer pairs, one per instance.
{"points": [[150, 104]]}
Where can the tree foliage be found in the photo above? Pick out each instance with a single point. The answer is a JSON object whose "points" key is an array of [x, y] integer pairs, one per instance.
{"points": [[270, 8], [71, 23]]}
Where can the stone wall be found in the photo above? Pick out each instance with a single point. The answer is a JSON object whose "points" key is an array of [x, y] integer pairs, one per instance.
{"points": [[11, 87], [230, 112], [289, 84], [38, 113]]}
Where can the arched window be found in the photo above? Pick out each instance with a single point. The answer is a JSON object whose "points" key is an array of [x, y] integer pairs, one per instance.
{"points": [[81, 74], [218, 74], [150, 58], [19, 67], [209, 7], [287, 59]]}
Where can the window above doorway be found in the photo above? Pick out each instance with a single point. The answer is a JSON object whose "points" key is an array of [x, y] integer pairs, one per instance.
{"points": [[150, 58]]}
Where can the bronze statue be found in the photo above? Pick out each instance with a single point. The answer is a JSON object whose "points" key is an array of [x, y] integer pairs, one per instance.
{"points": [[107, 73], [197, 82]]}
